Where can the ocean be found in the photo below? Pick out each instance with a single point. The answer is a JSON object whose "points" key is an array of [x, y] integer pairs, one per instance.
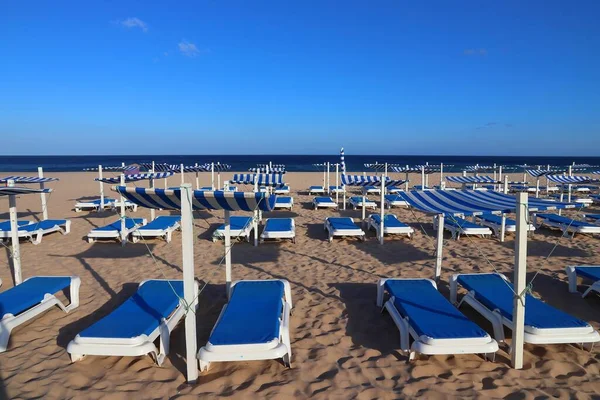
{"points": [[354, 163]]}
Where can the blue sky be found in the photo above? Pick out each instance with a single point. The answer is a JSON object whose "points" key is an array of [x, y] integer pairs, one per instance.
{"points": [[300, 77]]}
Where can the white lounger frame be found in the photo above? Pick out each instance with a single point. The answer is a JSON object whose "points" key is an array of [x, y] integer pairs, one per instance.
{"points": [[288, 206], [572, 275], [316, 191], [36, 236], [427, 345], [532, 335], [282, 190], [115, 234], [244, 233], [318, 205], [91, 206], [166, 234], [456, 231], [393, 230], [358, 204], [279, 234], [275, 349], [10, 321], [396, 203], [496, 228], [566, 228], [332, 232], [137, 346]]}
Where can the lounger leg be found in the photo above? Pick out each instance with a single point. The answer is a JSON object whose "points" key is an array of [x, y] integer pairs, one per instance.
{"points": [[203, 365], [74, 293], [453, 289], [380, 292], [572, 276], [4, 336], [168, 238], [77, 357], [38, 238], [595, 286], [164, 343]]}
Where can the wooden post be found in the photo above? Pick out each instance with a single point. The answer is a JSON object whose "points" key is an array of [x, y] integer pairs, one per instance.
{"points": [[439, 247], [14, 236], [101, 208], [519, 281], [43, 195], [227, 253], [189, 293]]}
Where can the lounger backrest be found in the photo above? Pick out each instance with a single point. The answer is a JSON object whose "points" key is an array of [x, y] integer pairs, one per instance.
{"points": [[29, 293], [497, 294], [162, 222], [252, 315], [279, 224], [342, 223]]}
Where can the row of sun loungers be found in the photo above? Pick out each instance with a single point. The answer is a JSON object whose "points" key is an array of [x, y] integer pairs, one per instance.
{"points": [[108, 203], [35, 231]]}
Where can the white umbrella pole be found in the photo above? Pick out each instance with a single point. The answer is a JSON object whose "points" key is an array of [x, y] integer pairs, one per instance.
{"points": [[537, 187], [151, 184], [382, 211], [439, 247], [570, 186], [500, 173], [197, 178], [337, 182], [227, 252], [189, 293], [406, 183], [328, 168], [14, 238], [182, 174], [519, 281], [218, 179], [212, 176], [422, 177], [503, 228], [442, 183], [505, 188], [101, 188], [122, 208], [324, 176], [43, 195]]}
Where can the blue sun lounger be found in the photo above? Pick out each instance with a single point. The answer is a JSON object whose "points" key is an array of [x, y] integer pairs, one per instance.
{"points": [[391, 225], [588, 272], [342, 226], [459, 226], [94, 205], [5, 225], [565, 224], [437, 327], [113, 231], [338, 189], [162, 227], [32, 297], [324, 202], [494, 222], [240, 227], [372, 190], [594, 218], [35, 231], [357, 202], [284, 189], [253, 325], [286, 202], [586, 201], [279, 228], [316, 189], [131, 329], [492, 296], [393, 200], [421, 187]]}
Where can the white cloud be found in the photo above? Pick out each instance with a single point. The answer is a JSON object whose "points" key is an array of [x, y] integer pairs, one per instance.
{"points": [[188, 49], [134, 22]]}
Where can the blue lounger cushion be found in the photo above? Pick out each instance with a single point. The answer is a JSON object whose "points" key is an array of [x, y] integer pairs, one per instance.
{"points": [[141, 314], [316, 187], [116, 226], [358, 199], [162, 222], [591, 273], [461, 223], [29, 293], [237, 222], [393, 197], [106, 201], [496, 219], [495, 293], [279, 225], [5, 225], [342, 223], [595, 217], [322, 199], [45, 224], [252, 315], [564, 220], [429, 313], [389, 220], [283, 199]]}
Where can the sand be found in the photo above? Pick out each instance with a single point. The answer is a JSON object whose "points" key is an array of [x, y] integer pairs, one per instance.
{"points": [[343, 347]]}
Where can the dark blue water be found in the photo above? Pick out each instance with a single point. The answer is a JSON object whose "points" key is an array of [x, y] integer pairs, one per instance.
{"points": [[354, 163]]}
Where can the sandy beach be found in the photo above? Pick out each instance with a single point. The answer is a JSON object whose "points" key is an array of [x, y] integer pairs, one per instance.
{"points": [[343, 347]]}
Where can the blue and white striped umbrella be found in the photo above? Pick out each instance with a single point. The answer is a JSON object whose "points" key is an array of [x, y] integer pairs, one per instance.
{"points": [[262, 179], [472, 202], [271, 165], [536, 173], [170, 199], [262, 170], [159, 167], [381, 167], [575, 179], [470, 179], [342, 162], [27, 179], [192, 168], [428, 169], [218, 167], [137, 177], [370, 180], [114, 168], [10, 191]]}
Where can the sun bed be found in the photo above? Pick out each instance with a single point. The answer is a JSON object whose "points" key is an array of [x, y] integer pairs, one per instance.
{"points": [[253, 325], [565, 224], [279, 228], [459, 226], [35, 231], [594, 218], [324, 202], [338, 189], [131, 329], [342, 226], [32, 297], [286, 202], [437, 327], [595, 198], [587, 272], [5, 225], [161, 227], [113, 231], [316, 189], [372, 190], [357, 202], [93, 205], [494, 222], [393, 200], [240, 227], [391, 225], [393, 189], [574, 199], [285, 189], [519, 188], [492, 296]]}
